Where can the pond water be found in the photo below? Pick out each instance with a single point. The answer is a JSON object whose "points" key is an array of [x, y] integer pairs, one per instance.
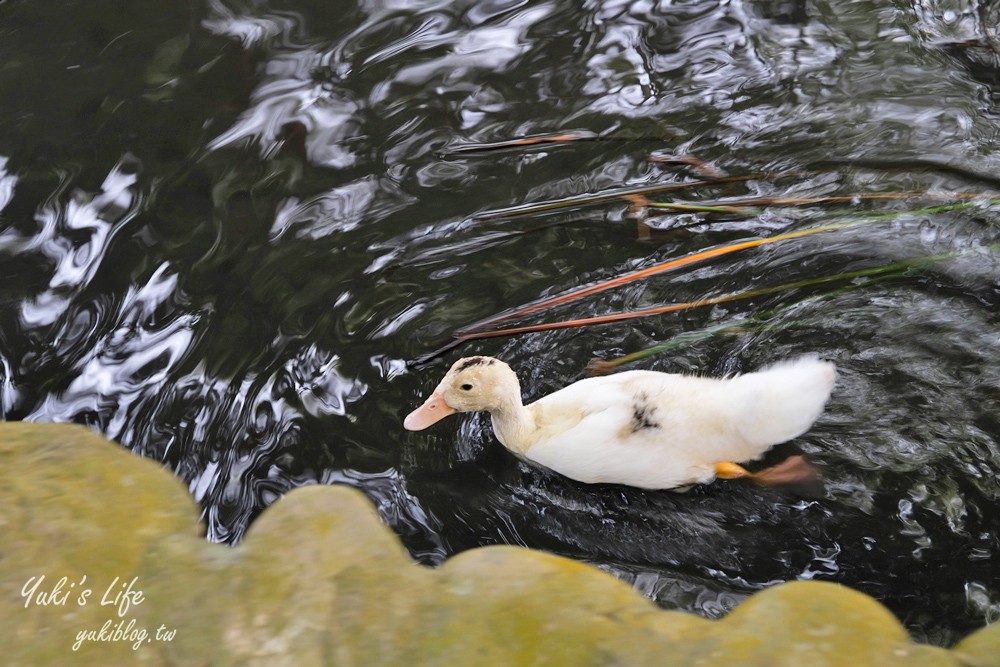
{"points": [[229, 225]]}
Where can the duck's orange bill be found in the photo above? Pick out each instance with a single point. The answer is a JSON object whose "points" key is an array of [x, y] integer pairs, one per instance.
{"points": [[434, 409]]}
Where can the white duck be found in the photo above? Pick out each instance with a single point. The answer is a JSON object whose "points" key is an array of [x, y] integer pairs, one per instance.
{"points": [[643, 428]]}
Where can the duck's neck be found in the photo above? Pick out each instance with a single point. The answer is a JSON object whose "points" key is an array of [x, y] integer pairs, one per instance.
{"points": [[514, 424]]}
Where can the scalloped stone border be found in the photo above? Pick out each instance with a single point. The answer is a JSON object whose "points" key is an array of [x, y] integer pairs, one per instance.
{"points": [[319, 580]]}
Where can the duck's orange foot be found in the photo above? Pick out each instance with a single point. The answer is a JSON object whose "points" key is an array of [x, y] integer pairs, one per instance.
{"points": [[727, 470], [793, 470]]}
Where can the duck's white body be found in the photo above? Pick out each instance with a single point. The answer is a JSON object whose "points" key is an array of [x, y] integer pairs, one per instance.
{"points": [[640, 428]]}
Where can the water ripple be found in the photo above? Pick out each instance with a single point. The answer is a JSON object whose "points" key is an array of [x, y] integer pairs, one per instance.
{"points": [[75, 234], [7, 183]]}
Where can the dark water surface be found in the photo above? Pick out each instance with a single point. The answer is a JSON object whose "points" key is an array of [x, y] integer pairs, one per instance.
{"points": [[227, 226]]}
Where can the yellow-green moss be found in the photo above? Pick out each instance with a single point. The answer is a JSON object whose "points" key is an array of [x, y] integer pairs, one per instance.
{"points": [[981, 648], [320, 581]]}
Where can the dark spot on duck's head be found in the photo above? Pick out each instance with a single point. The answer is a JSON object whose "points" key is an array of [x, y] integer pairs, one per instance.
{"points": [[475, 361]]}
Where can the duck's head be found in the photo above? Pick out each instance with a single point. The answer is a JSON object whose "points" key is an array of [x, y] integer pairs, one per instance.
{"points": [[472, 384]]}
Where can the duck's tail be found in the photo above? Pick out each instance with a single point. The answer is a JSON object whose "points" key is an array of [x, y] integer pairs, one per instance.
{"points": [[781, 402]]}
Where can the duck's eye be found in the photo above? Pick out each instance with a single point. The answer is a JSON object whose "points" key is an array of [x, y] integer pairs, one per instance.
{"points": [[466, 387]]}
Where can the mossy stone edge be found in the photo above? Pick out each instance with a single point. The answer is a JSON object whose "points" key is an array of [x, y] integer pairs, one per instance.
{"points": [[319, 580]]}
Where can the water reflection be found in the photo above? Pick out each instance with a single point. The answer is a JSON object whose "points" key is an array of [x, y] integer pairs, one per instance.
{"points": [[226, 227], [7, 183]]}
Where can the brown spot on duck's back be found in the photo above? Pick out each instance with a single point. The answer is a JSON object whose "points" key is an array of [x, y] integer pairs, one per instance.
{"points": [[643, 414], [642, 417]]}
